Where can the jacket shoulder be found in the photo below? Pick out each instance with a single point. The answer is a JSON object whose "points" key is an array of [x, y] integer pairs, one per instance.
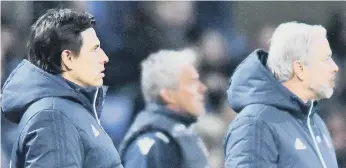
{"points": [[154, 138], [55, 104], [42, 109], [258, 112], [152, 149]]}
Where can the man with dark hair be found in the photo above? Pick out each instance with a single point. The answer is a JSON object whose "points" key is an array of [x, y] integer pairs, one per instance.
{"points": [[56, 96], [163, 136]]}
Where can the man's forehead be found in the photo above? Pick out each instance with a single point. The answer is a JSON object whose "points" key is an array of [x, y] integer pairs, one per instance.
{"points": [[90, 37], [191, 71], [322, 48]]}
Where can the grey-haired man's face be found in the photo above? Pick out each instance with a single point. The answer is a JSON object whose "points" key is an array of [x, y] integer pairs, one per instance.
{"points": [[322, 70], [189, 95]]}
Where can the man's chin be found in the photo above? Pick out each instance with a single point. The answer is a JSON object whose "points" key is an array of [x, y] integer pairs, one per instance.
{"points": [[98, 84], [326, 93], [329, 94], [201, 112]]}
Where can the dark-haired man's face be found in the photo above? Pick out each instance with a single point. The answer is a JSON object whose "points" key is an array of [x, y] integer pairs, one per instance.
{"points": [[87, 69]]}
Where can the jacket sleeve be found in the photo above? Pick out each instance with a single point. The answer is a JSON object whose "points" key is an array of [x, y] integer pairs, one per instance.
{"points": [[250, 143], [49, 139], [151, 151]]}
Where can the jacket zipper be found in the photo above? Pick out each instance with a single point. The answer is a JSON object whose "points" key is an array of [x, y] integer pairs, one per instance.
{"points": [[314, 138], [94, 109]]}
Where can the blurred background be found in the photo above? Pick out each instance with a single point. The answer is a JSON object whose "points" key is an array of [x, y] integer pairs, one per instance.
{"points": [[223, 33]]}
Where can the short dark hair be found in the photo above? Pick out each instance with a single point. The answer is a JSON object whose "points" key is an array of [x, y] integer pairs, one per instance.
{"points": [[55, 31]]}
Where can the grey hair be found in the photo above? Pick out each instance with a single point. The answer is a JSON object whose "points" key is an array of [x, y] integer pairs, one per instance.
{"points": [[161, 70], [292, 41]]}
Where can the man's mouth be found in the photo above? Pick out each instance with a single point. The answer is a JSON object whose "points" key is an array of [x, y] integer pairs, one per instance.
{"points": [[102, 73]]}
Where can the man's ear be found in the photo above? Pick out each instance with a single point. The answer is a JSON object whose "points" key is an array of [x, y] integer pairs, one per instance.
{"points": [[167, 96], [299, 70], [67, 60]]}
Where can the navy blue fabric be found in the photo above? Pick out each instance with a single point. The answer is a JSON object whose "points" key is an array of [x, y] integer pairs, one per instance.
{"points": [[59, 128], [161, 154], [160, 137]]}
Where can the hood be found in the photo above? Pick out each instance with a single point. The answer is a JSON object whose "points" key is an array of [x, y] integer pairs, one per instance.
{"points": [[253, 83], [28, 84]]}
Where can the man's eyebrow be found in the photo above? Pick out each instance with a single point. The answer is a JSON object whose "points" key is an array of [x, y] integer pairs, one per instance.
{"points": [[96, 46]]}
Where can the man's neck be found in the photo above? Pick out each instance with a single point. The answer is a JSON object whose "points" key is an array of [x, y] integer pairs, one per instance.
{"points": [[297, 89], [68, 77]]}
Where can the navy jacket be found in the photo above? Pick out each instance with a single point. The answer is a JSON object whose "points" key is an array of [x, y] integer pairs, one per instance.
{"points": [[161, 138], [57, 122], [274, 128], [153, 150]]}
